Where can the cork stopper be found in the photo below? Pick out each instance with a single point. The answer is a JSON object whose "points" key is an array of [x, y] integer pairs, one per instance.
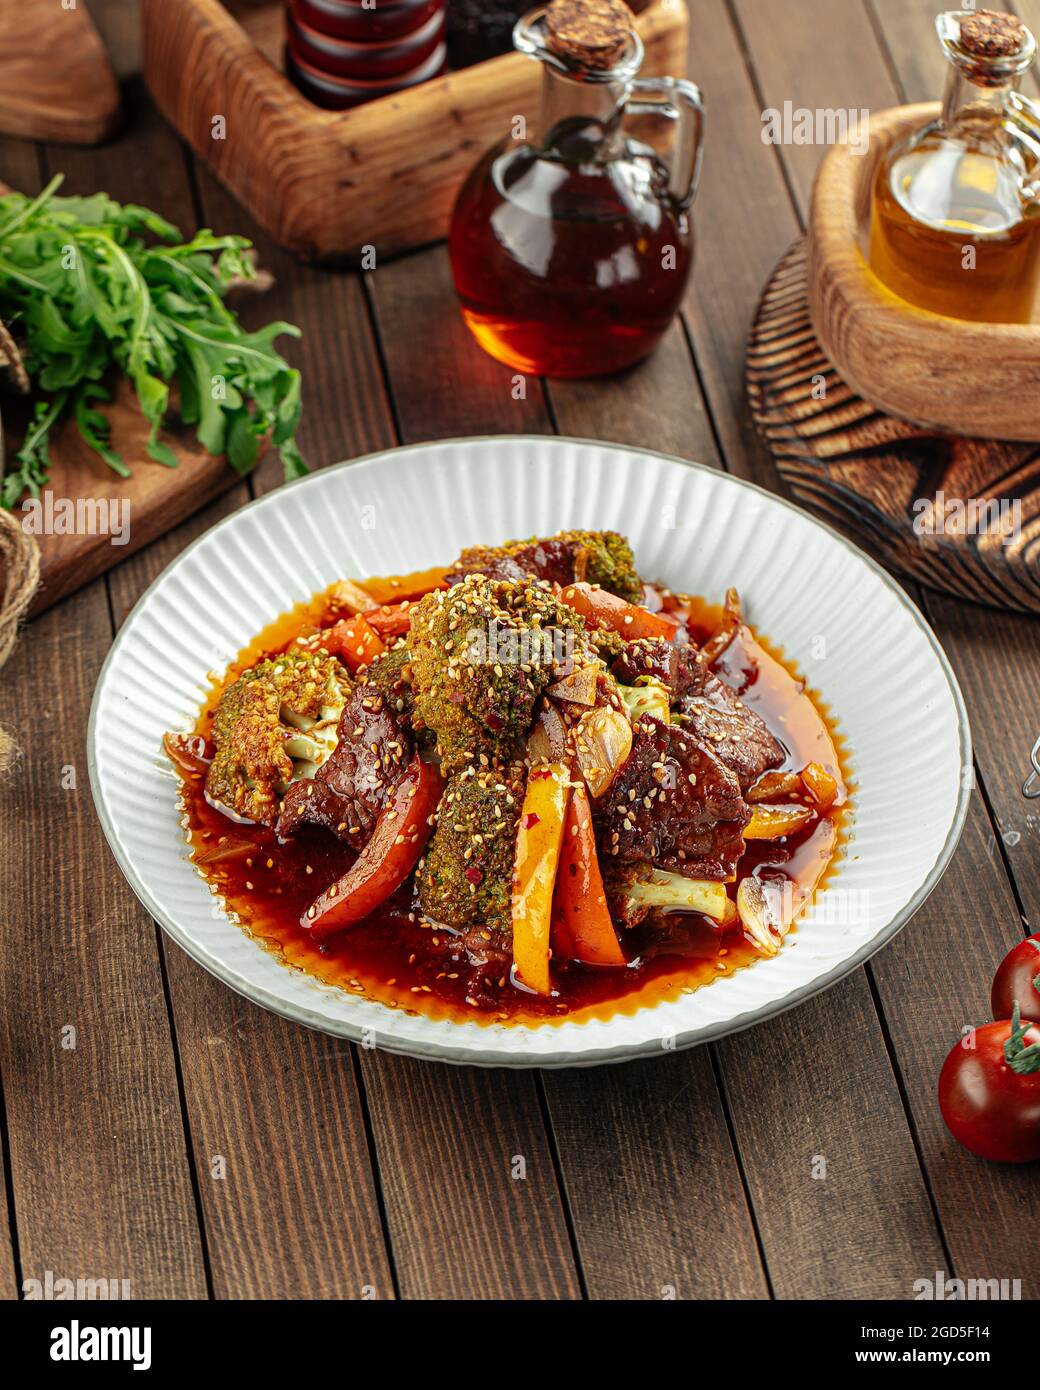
{"points": [[590, 33], [992, 34]]}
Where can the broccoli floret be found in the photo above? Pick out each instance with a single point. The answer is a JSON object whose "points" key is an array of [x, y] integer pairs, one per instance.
{"points": [[391, 674], [466, 877], [481, 654], [636, 891], [276, 723], [609, 562]]}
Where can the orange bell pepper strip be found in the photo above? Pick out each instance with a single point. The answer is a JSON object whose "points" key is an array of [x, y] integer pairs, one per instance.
{"points": [[398, 839], [353, 640], [392, 619], [582, 928], [604, 609], [538, 841]]}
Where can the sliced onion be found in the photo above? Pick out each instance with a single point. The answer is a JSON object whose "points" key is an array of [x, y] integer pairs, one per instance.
{"points": [[579, 688], [191, 753], [348, 597], [547, 741], [768, 907], [648, 697], [229, 850], [603, 742], [760, 903]]}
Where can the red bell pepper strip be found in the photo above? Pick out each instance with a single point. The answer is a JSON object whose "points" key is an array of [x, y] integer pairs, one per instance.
{"points": [[582, 928], [604, 609], [399, 838], [353, 640]]}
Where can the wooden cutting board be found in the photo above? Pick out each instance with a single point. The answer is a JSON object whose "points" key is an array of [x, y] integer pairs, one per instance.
{"points": [[56, 82], [99, 504], [915, 497]]}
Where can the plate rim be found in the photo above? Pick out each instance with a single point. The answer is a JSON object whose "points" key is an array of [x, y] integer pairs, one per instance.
{"points": [[561, 1058]]}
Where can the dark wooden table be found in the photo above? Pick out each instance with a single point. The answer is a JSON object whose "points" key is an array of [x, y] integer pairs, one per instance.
{"points": [[199, 1147]]}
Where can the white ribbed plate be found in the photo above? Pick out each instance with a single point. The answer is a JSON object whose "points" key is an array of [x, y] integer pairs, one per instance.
{"points": [[848, 626]]}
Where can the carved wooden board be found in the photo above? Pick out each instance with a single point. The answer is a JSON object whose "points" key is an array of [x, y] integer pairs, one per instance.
{"points": [[56, 82], [89, 505], [960, 515]]}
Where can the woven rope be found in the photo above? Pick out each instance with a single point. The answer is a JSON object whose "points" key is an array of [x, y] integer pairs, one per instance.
{"points": [[19, 575]]}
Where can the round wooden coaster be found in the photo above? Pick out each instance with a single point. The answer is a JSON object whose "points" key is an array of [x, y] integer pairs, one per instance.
{"points": [[960, 515]]}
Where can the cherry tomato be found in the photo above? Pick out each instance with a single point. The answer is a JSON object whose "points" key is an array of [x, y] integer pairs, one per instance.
{"points": [[989, 1092], [1017, 981]]}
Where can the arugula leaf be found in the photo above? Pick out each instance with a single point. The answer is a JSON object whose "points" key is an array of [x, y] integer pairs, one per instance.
{"points": [[89, 295]]}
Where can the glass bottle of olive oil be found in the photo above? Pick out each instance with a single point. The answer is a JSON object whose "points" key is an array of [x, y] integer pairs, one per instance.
{"points": [[955, 220]]}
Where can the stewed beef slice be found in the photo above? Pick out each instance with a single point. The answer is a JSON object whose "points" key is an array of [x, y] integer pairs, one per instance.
{"points": [[673, 664], [713, 711], [675, 805], [705, 705], [548, 559], [350, 789]]}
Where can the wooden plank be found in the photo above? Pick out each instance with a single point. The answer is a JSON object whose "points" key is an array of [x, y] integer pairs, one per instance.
{"points": [[477, 1232], [101, 1177], [652, 1181], [778, 62], [10, 1288], [657, 404], [20, 164], [832, 1172], [934, 981], [284, 1218], [97, 1147], [443, 384], [997, 664], [278, 1125], [471, 1194], [743, 223], [634, 1141], [848, 73]]}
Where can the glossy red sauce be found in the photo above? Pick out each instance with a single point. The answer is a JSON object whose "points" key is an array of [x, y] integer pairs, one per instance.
{"points": [[396, 958]]}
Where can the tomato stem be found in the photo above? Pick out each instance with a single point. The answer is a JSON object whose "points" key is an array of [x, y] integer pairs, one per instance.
{"points": [[1021, 1059]]}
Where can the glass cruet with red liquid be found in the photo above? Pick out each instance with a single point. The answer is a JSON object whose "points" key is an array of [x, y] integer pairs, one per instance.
{"points": [[571, 245]]}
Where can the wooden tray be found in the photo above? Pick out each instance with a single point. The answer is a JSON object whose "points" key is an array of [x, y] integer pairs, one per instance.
{"points": [[326, 184], [873, 475], [966, 378]]}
